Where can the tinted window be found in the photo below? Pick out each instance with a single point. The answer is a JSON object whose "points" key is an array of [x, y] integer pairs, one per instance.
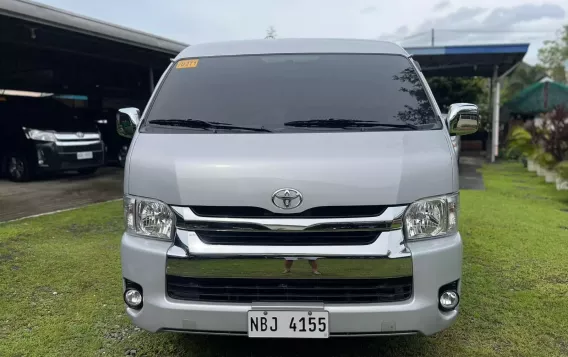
{"points": [[42, 113], [276, 92]]}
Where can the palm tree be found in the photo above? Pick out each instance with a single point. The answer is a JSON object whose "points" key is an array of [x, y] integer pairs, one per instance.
{"points": [[523, 76]]}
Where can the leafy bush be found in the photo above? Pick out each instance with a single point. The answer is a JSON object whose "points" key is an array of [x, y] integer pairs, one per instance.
{"points": [[546, 160], [513, 154], [562, 169], [520, 143]]}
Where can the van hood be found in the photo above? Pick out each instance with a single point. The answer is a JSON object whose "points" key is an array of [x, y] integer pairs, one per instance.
{"points": [[329, 169]]}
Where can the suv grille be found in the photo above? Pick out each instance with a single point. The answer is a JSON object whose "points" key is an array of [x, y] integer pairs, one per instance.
{"points": [[288, 238], [245, 290], [79, 148], [315, 212]]}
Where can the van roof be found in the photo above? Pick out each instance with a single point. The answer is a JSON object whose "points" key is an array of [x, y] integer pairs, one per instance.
{"points": [[284, 46]]}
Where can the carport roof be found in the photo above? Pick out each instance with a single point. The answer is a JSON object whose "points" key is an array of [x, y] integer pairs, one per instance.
{"points": [[468, 61], [51, 16]]}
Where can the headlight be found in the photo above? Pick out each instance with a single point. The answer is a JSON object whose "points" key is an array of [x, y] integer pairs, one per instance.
{"points": [[34, 134], [148, 218], [432, 217]]}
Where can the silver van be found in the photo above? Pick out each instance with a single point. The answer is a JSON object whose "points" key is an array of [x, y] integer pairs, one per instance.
{"points": [[300, 188]]}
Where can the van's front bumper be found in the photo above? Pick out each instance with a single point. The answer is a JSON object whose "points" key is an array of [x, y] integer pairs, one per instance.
{"points": [[54, 157], [431, 263]]}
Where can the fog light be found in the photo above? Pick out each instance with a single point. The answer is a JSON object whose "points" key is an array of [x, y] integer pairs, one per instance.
{"points": [[449, 300], [40, 157], [133, 298]]}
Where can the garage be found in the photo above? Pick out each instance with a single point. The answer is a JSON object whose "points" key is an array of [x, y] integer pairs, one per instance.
{"points": [[62, 78]]}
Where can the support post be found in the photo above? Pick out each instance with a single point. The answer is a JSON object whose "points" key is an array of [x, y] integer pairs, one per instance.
{"points": [[432, 37], [489, 149], [495, 127], [151, 75]]}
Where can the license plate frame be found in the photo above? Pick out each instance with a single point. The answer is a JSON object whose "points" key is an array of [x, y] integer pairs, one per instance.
{"points": [[84, 155], [279, 323]]}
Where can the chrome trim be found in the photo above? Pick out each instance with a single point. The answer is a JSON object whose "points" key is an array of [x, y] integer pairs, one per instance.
{"points": [[273, 267], [77, 143], [390, 219], [389, 244], [463, 119], [74, 136], [74, 153]]}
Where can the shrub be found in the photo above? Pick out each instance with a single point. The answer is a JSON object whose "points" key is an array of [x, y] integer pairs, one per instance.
{"points": [[520, 143], [546, 160], [562, 169]]}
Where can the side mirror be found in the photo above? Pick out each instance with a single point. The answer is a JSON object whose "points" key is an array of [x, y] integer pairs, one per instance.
{"points": [[127, 120], [463, 119]]}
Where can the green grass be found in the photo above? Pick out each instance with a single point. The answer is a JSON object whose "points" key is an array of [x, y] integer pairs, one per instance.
{"points": [[515, 292]]}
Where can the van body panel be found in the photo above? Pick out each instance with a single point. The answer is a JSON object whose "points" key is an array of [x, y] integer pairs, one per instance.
{"points": [[337, 169]]}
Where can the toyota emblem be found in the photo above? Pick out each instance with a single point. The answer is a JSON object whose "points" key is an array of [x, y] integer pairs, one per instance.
{"points": [[80, 134], [287, 198]]}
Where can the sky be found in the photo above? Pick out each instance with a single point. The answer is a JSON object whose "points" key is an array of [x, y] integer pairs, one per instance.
{"points": [[407, 22]]}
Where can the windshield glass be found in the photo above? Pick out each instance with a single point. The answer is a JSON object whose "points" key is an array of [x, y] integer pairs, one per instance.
{"points": [[293, 93]]}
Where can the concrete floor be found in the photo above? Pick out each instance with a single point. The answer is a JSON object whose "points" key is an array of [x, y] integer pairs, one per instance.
{"points": [[59, 192], [470, 179]]}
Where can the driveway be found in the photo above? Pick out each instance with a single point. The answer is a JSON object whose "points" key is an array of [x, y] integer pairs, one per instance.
{"points": [[64, 191], [470, 178]]}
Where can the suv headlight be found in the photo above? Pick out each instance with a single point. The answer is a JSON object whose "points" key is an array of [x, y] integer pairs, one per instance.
{"points": [[41, 135], [432, 217], [149, 218]]}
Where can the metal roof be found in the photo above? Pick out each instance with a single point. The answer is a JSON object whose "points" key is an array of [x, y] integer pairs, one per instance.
{"points": [[468, 61], [48, 15], [290, 45]]}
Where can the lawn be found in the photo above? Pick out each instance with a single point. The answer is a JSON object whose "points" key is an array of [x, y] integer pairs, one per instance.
{"points": [[60, 286]]}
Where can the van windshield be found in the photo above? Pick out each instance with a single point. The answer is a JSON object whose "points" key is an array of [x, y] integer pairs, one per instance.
{"points": [[293, 93]]}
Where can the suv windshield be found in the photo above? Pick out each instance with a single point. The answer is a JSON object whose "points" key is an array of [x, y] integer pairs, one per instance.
{"points": [[293, 93]]}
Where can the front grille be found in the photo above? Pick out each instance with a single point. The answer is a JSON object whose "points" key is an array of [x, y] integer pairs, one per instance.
{"points": [[315, 212], [288, 238], [79, 148], [245, 290], [70, 162]]}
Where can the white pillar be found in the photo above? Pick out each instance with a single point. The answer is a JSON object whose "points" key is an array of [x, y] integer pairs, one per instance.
{"points": [[495, 127]]}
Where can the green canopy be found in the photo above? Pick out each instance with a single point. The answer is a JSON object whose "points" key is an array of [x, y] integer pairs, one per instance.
{"points": [[540, 97]]}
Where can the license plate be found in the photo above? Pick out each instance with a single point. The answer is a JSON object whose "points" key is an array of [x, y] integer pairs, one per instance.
{"points": [[84, 155], [288, 324]]}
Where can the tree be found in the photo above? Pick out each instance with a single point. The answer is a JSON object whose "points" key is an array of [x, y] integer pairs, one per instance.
{"points": [[448, 90], [522, 77], [270, 33], [553, 55], [555, 130]]}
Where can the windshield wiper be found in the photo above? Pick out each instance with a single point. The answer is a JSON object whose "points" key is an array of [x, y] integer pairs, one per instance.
{"points": [[205, 125], [346, 123]]}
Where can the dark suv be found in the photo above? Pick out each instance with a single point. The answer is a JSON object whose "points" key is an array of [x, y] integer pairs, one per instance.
{"points": [[43, 135]]}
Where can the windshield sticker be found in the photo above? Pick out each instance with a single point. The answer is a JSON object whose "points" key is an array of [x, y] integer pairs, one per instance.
{"points": [[192, 63]]}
